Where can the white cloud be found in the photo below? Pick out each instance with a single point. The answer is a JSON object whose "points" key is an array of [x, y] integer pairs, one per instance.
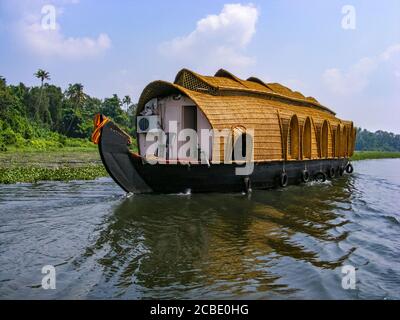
{"points": [[52, 42], [218, 40], [391, 52], [357, 78], [352, 81]]}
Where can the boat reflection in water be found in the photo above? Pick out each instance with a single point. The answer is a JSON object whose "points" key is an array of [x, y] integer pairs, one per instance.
{"points": [[263, 245]]}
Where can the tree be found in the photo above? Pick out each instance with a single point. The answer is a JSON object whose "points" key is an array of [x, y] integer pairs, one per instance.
{"points": [[55, 103], [131, 112], [378, 141], [76, 95], [111, 107], [42, 75], [69, 112], [127, 101]]}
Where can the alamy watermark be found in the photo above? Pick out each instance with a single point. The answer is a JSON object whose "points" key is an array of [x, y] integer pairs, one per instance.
{"points": [[349, 20], [49, 280], [186, 146], [49, 16], [349, 278]]}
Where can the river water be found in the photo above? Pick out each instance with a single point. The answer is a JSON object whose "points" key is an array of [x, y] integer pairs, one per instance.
{"points": [[278, 244]]}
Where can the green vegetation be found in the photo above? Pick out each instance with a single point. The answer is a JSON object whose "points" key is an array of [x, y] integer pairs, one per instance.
{"points": [[33, 174], [68, 164], [45, 131], [377, 141], [48, 118], [67, 157], [364, 155]]}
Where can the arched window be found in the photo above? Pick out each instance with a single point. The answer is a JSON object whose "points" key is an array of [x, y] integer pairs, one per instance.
{"points": [[350, 134], [353, 141], [240, 143], [307, 139], [324, 139], [333, 143], [240, 146], [338, 135], [344, 142], [293, 139]]}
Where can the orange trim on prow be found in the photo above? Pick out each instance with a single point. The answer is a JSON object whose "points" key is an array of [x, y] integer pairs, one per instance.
{"points": [[99, 122]]}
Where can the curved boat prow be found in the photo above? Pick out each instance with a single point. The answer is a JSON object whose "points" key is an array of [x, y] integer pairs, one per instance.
{"points": [[118, 160]]}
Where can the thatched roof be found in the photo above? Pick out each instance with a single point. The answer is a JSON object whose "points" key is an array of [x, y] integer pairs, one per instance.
{"points": [[223, 83], [268, 108]]}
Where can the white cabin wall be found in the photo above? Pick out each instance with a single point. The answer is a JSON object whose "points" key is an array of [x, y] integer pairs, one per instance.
{"points": [[173, 113], [203, 123], [170, 109]]}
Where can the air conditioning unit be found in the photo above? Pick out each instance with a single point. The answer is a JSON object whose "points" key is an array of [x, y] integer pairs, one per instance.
{"points": [[146, 123]]}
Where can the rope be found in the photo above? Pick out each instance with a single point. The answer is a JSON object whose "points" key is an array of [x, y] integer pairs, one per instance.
{"points": [[98, 124]]}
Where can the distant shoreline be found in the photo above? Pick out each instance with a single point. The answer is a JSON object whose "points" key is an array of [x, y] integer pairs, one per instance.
{"points": [[84, 164], [369, 155]]}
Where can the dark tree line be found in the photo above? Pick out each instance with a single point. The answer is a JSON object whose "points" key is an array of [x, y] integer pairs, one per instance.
{"points": [[48, 111], [377, 141]]}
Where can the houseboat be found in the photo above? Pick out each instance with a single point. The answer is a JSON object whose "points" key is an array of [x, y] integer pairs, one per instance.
{"points": [[224, 134]]}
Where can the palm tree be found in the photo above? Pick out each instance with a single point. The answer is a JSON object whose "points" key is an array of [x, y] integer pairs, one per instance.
{"points": [[127, 101], [75, 94], [42, 75]]}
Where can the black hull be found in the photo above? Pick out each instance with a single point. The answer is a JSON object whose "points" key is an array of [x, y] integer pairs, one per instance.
{"points": [[132, 174]]}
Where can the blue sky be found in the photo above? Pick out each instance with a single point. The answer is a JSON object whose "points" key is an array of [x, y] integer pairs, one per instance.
{"points": [[120, 46]]}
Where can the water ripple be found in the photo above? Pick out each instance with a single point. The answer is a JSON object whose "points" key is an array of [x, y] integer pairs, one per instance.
{"points": [[286, 243]]}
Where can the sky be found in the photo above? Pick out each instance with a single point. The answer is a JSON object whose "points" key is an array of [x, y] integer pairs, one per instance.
{"points": [[346, 54]]}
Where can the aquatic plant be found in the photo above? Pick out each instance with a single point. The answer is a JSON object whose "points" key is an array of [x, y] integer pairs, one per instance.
{"points": [[35, 174]]}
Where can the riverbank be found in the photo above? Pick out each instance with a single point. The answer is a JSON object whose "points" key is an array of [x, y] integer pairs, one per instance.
{"points": [[83, 164], [366, 155], [62, 165]]}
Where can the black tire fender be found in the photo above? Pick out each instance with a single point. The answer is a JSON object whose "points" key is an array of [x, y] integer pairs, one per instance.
{"points": [[305, 176], [320, 176], [284, 179], [331, 172], [349, 168]]}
